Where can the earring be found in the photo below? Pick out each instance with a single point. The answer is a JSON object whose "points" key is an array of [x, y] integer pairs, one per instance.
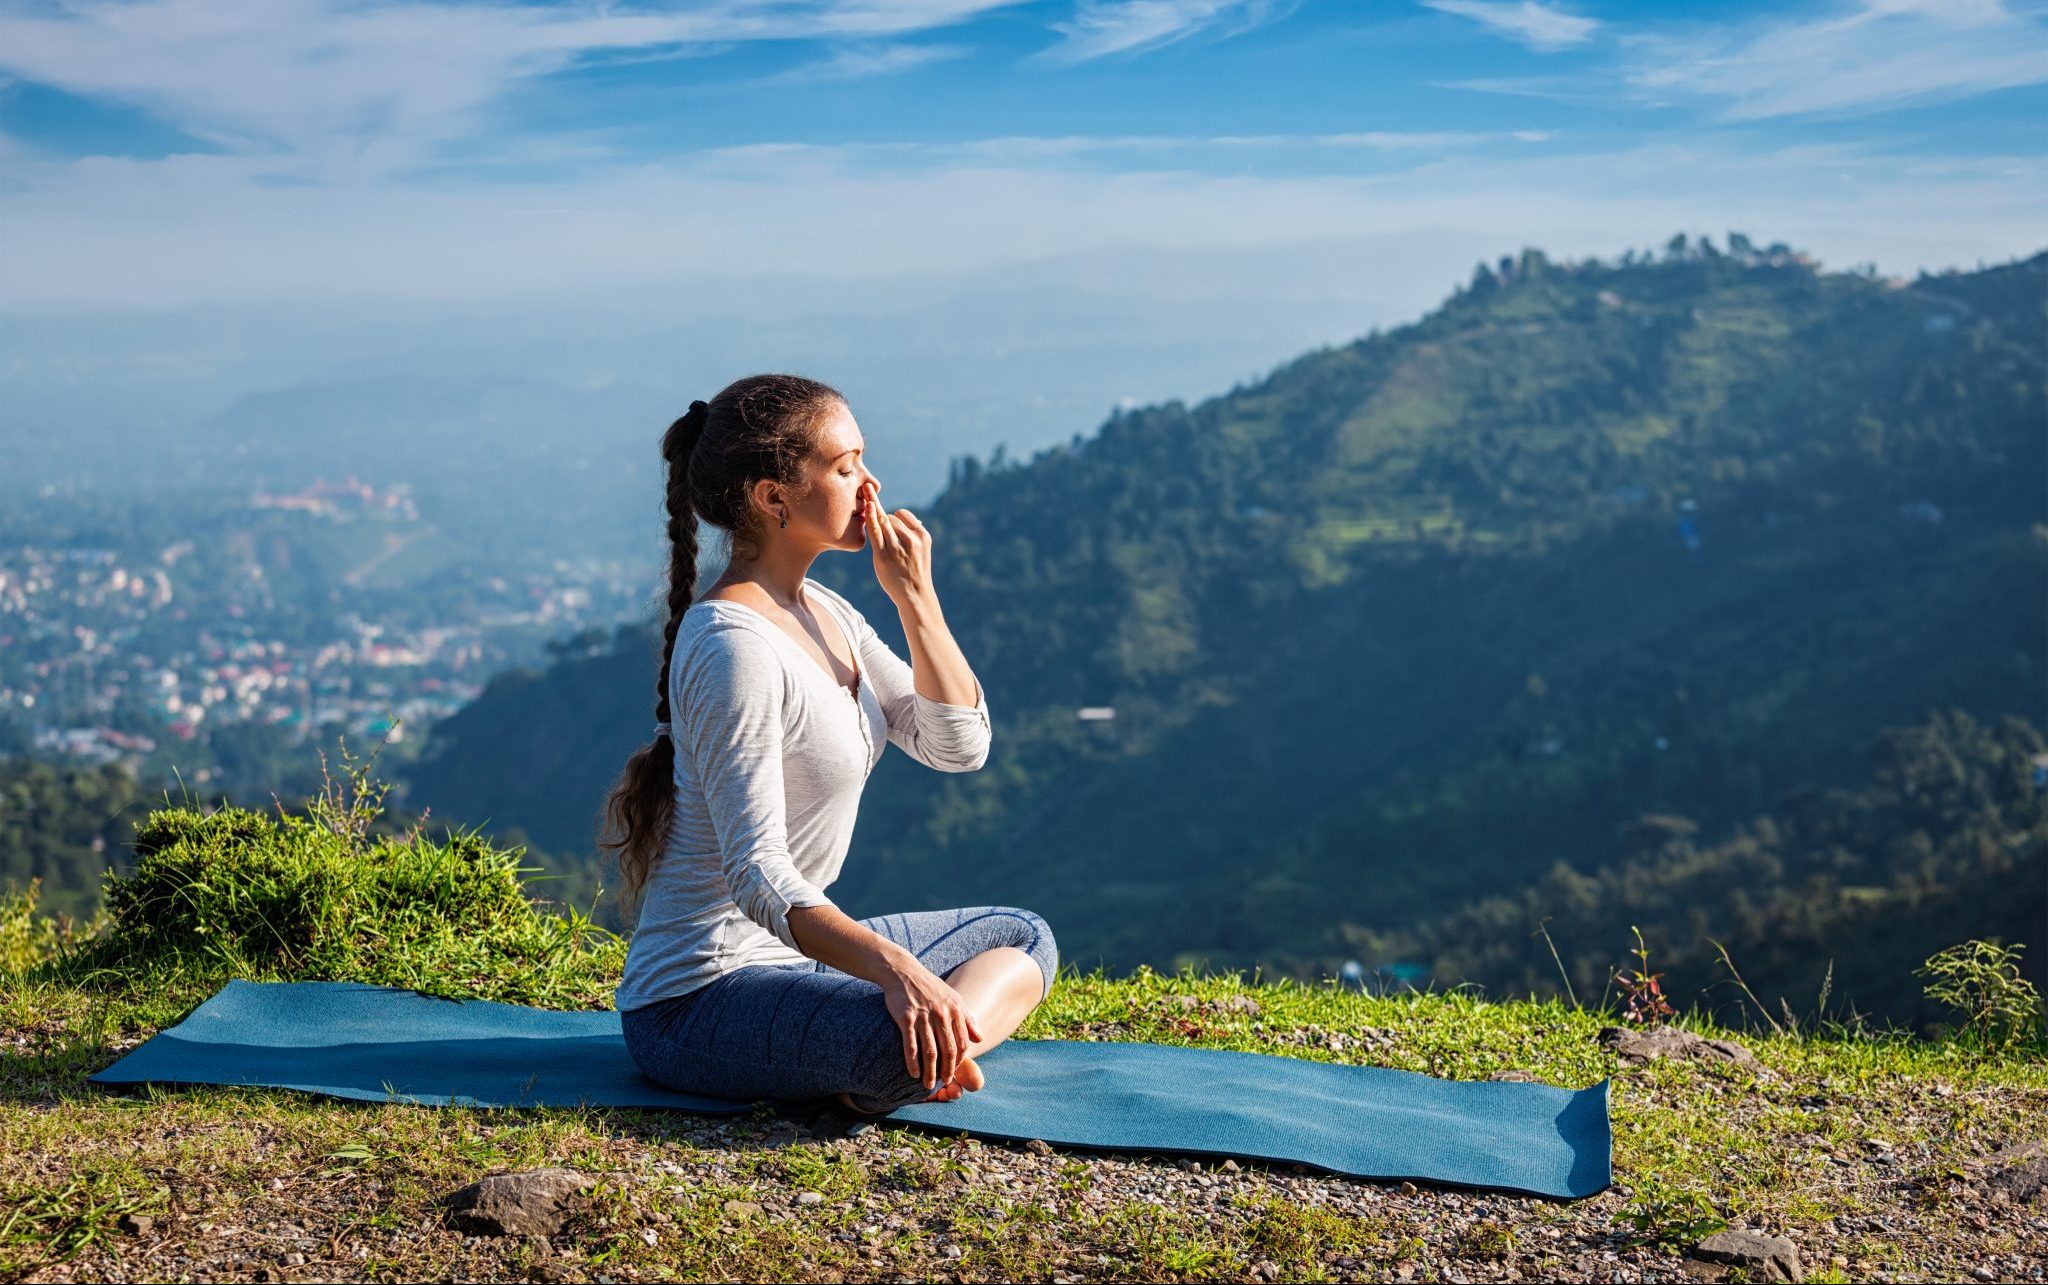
{"points": [[785, 517]]}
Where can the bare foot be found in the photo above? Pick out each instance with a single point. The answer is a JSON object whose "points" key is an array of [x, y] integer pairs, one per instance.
{"points": [[967, 1078], [968, 1075]]}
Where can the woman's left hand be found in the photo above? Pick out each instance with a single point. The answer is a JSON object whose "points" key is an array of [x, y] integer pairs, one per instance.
{"points": [[902, 550]]}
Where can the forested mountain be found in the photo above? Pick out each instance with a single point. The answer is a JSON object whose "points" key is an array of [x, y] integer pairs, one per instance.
{"points": [[62, 826], [1594, 551], [1835, 890]]}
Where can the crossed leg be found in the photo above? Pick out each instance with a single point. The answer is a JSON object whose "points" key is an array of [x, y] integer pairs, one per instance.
{"points": [[1001, 986]]}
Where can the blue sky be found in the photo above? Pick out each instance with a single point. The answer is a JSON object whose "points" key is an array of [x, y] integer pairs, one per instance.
{"points": [[1239, 178], [159, 151]]}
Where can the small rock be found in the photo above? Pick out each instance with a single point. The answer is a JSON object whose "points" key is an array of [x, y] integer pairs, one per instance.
{"points": [[858, 1128], [1408, 1189], [1231, 1166], [1513, 1077], [1774, 1257], [809, 1198], [951, 1251], [742, 1209], [2022, 1175], [1669, 1041], [135, 1224], [295, 1259], [1038, 1147], [1242, 1004], [534, 1203]]}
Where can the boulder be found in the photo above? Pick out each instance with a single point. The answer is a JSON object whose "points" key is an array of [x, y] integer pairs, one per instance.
{"points": [[1758, 1254], [1668, 1041], [534, 1203], [2022, 1173]]}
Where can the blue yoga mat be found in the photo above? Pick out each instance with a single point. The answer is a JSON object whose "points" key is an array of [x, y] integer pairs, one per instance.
{"points": [[379, 1043]]}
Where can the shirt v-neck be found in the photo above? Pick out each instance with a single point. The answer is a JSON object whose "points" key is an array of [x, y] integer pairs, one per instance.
{"points": [[859, 677]]}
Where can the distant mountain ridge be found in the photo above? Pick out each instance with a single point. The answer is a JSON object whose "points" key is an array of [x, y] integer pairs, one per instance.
{"points": [[1414, 619]]}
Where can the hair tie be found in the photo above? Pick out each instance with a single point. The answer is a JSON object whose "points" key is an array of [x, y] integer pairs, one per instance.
{"points": [[662, 729]]}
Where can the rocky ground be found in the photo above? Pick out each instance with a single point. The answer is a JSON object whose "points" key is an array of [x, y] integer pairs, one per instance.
{"points": [[1804, 1159]]}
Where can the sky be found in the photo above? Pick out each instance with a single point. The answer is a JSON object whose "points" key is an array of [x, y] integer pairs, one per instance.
{"points": [[201, 198]]}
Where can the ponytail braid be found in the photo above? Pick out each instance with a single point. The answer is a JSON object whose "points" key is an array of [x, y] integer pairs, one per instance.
{"points": [[764, 427]]}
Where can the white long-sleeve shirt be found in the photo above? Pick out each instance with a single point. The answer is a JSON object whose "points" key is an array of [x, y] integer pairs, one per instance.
{"points": [[771, 756]]}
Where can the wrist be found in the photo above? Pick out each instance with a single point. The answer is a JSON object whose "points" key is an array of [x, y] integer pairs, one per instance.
{"points": [[921, 607], [898, 961]]}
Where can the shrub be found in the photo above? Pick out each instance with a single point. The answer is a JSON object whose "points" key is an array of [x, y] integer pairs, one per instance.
{"points": [[26, 938], [317, 897], [1981, 980]]}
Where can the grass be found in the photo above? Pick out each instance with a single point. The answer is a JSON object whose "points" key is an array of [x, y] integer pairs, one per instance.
{"points": [[1864, 1146]]}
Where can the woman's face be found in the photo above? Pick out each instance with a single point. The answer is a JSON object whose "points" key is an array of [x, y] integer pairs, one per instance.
{"points": [[842, 483]]}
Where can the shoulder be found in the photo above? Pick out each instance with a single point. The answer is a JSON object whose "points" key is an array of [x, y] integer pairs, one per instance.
{"points": [[717, 640], [828, 593], [838, 602]]}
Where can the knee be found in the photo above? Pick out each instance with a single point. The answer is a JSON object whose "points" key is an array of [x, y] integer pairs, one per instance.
{"points": [[1039, 943]]}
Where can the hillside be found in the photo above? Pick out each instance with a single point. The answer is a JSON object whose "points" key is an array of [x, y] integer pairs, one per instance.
{"points": [[1873, 1154], [1416, 620]]}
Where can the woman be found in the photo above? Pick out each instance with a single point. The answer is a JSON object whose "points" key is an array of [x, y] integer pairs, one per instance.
{"points": [[743, 979]]}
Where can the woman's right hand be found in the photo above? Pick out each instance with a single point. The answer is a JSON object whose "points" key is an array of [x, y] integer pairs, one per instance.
{"points": [[901, 548], [937, 1026]]}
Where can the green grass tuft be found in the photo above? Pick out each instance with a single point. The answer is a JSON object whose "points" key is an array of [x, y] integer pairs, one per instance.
{"points": [[1831, 1130]]}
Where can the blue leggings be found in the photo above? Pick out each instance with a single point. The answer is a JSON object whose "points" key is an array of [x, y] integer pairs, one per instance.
{"points": [[797, 1032]]}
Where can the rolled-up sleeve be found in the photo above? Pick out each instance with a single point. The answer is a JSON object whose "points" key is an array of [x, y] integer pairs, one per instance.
{"points": [[732, 703], [951, 738]]}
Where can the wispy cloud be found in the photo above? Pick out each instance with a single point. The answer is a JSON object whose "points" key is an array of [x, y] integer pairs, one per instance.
{"points": [[1104, 27], [1586, 90], [858, 62], [363, 149], [113, 233], [1377, 139], [1877, 56], [370, 88], [1022, 148], [1538, 26]]}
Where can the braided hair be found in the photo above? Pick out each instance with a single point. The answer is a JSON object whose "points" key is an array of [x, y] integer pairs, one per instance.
{"points": [[762, 426]]}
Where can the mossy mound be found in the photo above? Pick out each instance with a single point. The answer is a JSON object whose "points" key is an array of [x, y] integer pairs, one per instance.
{"points": [[238, 893]]}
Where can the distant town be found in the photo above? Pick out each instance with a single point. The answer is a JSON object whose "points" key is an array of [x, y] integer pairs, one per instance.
{"points": [[112, 652]]}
